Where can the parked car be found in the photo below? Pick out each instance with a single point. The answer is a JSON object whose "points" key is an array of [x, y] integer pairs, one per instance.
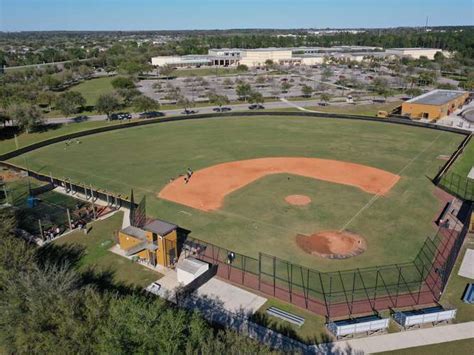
{"points": [[256, 107], [151, 114], [121, 116], [323, 104], [189, 112], [221, 109]]}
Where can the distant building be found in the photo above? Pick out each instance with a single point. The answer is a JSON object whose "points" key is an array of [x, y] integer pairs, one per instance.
{"points": [[225, 57], [435, 104], [415, 53]]}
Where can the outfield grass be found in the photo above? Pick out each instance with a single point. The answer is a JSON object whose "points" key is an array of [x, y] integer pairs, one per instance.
{"points": [[97, 255], [256, 218], [459, 347]]}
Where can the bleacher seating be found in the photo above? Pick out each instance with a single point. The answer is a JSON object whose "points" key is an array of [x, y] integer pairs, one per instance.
{"points": [[292, 318]]}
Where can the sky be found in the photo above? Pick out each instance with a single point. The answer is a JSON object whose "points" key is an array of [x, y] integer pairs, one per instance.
{"points": [[30, 15]]}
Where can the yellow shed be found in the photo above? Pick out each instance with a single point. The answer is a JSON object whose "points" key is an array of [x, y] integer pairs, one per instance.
{"points": [[155, 243]]}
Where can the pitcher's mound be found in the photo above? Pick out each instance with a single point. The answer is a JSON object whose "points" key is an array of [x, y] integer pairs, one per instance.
{"points": [[332, 244], [298, 200]]}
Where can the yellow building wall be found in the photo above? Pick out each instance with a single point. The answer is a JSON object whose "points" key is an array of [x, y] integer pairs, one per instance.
{"points": [[127, 241], [167, 246], [435, 112]]}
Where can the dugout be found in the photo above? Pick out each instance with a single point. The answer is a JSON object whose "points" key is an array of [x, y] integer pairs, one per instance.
{"points": [[419, 317], [348, 327]]}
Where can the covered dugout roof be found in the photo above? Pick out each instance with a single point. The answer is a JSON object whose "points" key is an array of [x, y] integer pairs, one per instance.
{"points": [[160, 227], [437, 97]]}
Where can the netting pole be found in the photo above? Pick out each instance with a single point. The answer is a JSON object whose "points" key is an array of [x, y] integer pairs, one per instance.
{"points": [[274, 276], [290, 288], [41, 229], [92, 193], [376, 287], [259, 269], [324, 296], [306, 289], [108, 199], [69, 218], [398, 285], [51, 178], [243, 268], [353, 290], [421, 283]]}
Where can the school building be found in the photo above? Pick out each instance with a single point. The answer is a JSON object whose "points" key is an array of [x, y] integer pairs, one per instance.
{"points": [[155, 243], [435, 104]]}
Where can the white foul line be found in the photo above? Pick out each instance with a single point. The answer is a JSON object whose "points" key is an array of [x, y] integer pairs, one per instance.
{"points": [[376, 197]]}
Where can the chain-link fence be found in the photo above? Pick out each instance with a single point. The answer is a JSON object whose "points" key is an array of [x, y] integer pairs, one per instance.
{"points": [[343, 293]]}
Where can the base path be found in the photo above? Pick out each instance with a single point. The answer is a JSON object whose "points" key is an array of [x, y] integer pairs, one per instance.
{"points": [[208, 187]]}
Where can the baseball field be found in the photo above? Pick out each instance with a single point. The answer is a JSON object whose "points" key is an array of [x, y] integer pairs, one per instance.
{"points": [[325, 193]]}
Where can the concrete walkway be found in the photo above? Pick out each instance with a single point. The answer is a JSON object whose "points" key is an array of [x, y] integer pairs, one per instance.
{"points": [[409, 338]]}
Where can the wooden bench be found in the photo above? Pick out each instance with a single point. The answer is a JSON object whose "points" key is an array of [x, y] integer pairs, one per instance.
{"points": [[292, 318]]}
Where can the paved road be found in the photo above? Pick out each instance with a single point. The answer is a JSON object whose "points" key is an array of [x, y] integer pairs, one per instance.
{"points": [[410, 338], [237, 107]]}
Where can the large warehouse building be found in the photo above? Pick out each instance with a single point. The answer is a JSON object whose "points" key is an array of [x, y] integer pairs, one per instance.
{"points": [[287, 56], [435, 104]]}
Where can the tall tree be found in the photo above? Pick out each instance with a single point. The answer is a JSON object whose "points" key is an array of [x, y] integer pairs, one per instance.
{"points": [[70, 102], [107, 104]]}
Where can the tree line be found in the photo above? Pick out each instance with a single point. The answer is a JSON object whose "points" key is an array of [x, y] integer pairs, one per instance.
{"points": [[48, 306]]}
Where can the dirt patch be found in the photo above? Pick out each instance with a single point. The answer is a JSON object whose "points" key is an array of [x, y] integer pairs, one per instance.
{"points": [[298, 200], [332, 244], [208, 187], [8, 175]]}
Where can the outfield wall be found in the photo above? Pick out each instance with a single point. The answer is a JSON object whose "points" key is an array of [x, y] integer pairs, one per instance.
{"points": [[62, 138]]}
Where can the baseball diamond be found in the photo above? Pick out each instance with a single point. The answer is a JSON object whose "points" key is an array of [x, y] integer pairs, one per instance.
{"points": [[391, 205]]}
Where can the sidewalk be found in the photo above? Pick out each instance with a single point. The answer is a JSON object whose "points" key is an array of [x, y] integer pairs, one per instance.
{"points": [[409, 338]]}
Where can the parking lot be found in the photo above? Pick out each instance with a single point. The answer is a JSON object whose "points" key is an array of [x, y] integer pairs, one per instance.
{"points": [[335, 81]]}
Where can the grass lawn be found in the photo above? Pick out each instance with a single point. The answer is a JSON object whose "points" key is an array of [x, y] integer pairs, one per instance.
{"points": [[256, 218], [313, 331], [465, 162], [97, 255], [456, 286], [24, 139], [459, 347], [93, 88]]}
